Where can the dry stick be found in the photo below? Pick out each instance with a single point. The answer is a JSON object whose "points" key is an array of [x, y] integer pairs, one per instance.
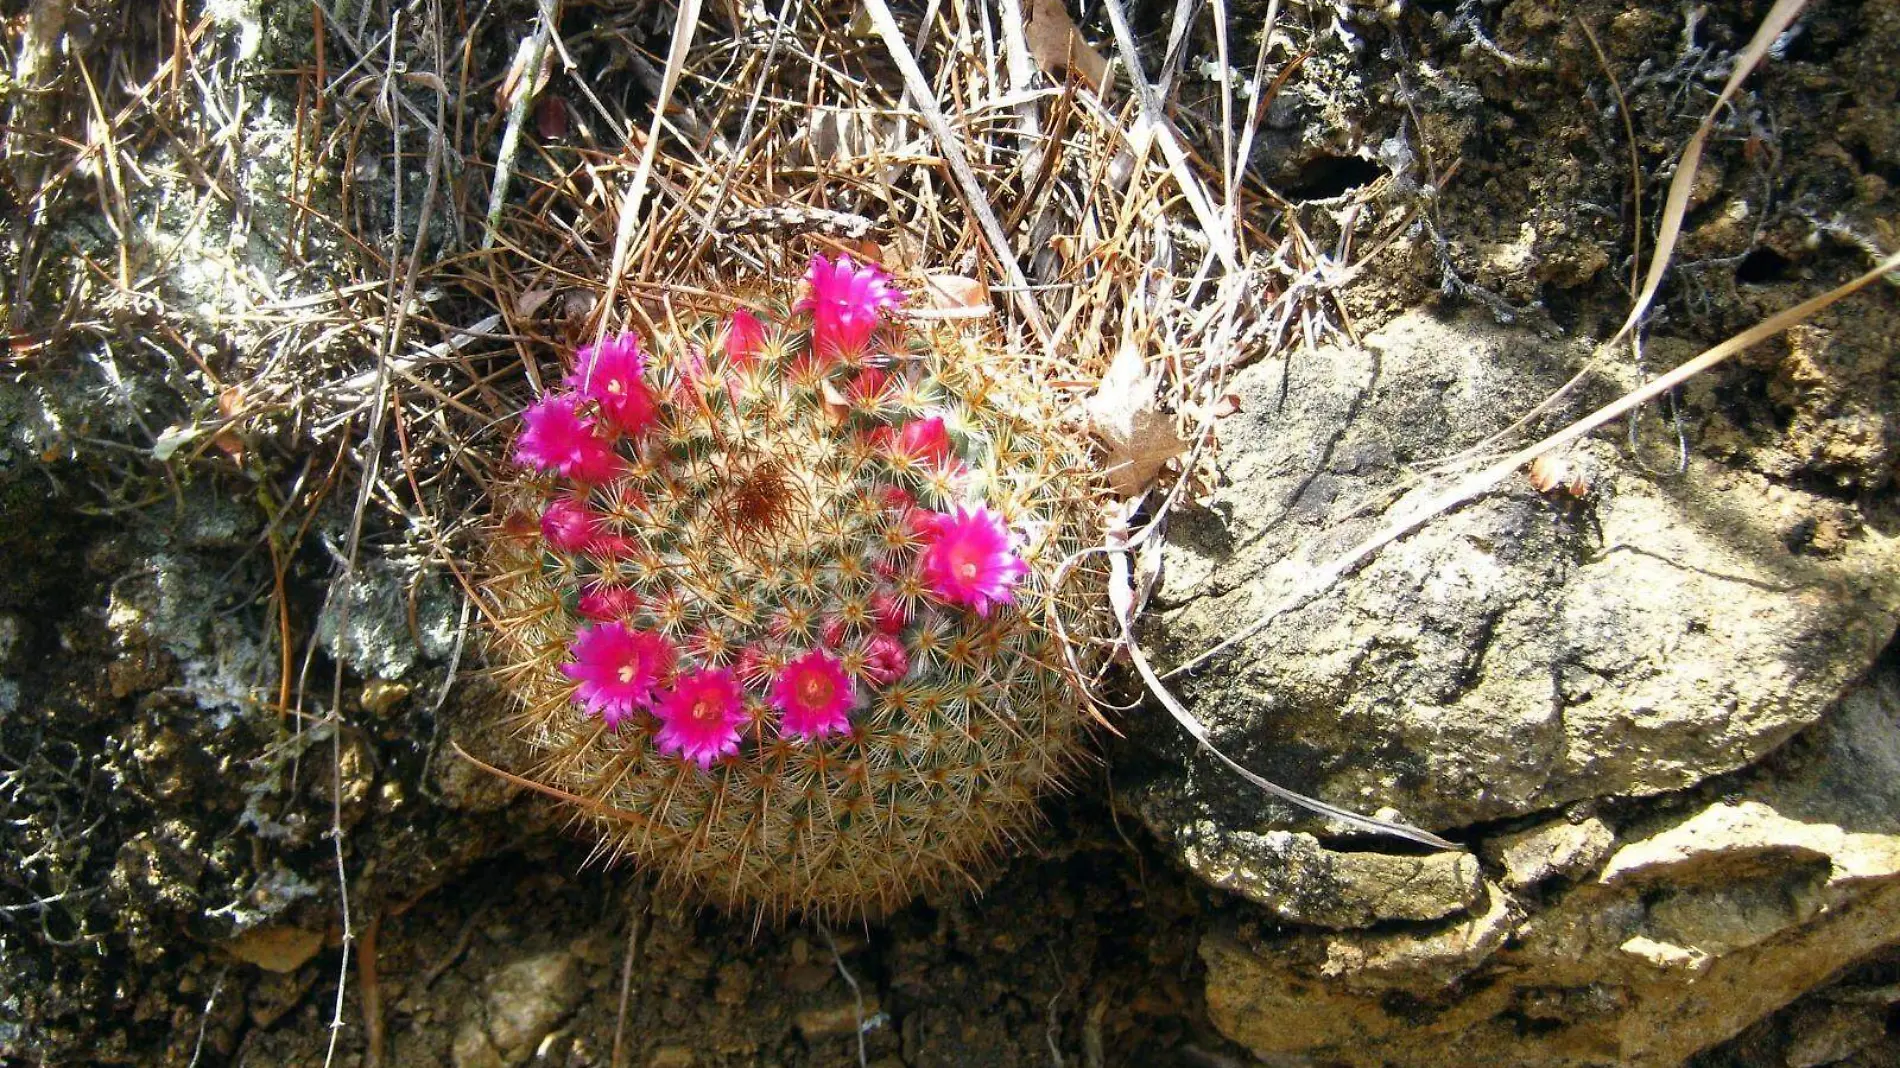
{"points": [[685, 23], [1218, 236], [372, 451], [1256, 112], [857, 995], [1675, 206], [517, 116], [953, 154], [33, 72], [1326, 575], [745, 131], [1636, 162], [636, 923]]}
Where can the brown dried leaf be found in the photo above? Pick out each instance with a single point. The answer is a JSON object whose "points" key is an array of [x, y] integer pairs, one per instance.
{"points": [[1138, 435], [514, 81], [1059, 48], [955, 292], [227, 441], [530, 302], [550, 118]]}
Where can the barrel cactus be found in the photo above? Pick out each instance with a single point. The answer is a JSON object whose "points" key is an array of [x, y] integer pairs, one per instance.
{"points": [[774, 589]]}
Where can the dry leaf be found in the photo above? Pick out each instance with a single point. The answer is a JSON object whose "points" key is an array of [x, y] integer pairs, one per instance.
{"points": [[832, 399], [513, 82], [955, 292], [530, 302], [1553, 474], [1139, 436], [1059, 48], [550, 118], [227, 441]]}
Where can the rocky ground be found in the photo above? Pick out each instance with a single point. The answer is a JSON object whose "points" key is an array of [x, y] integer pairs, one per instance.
{"points": [[1660, 708]]}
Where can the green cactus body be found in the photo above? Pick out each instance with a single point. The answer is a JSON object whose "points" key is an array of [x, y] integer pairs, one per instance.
{"points": [[774, 508]]}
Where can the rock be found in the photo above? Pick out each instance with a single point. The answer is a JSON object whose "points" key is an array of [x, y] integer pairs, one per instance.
{"points": [[386, 619], [275, 993], [1379, 962], [381, 696], [276, 948], [1559, 849], [1704, 920], [524, 1001], [471, 1049], [842, 1017], [1829, 1034], [1666, 636], [1741, 839], [1301, 881]]}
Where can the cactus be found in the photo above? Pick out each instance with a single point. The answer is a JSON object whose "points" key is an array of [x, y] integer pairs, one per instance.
{"points": [[775, 599]]}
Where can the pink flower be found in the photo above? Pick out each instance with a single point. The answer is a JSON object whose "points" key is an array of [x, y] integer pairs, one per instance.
{"points": [[757, 664], [867, 385], [967, 558], [745, 336], [609, 374], [610, 546], [889, 612], [556, 437], [604, 604], [885, 660], [926, 441], [568, 526], [846, 302], [814, 695], [832, 631], [700, 716], [617, 668]]}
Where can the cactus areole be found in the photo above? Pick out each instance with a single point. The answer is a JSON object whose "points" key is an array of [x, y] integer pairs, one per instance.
{"points": [[774, 593]]}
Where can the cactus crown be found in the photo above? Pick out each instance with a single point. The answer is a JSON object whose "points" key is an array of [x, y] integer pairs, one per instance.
{"points": [[775, 600]]}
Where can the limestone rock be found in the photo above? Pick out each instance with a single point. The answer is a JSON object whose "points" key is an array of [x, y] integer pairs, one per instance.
{"points": [[1707, 918], [524, 1001], [1515, 654], [1550, 850], [1300, 881]]}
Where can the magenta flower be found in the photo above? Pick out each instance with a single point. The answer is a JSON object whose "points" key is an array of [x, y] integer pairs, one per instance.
{"points": [[605, 604], [617, 668], [814, 696], [700, 716], [967, 558], [745, 336], [926, 441], [611, 546], [757, 665], [568, 526], [885, 660], [555, 436], [889, 612], [609, 374], [845, 302]]}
